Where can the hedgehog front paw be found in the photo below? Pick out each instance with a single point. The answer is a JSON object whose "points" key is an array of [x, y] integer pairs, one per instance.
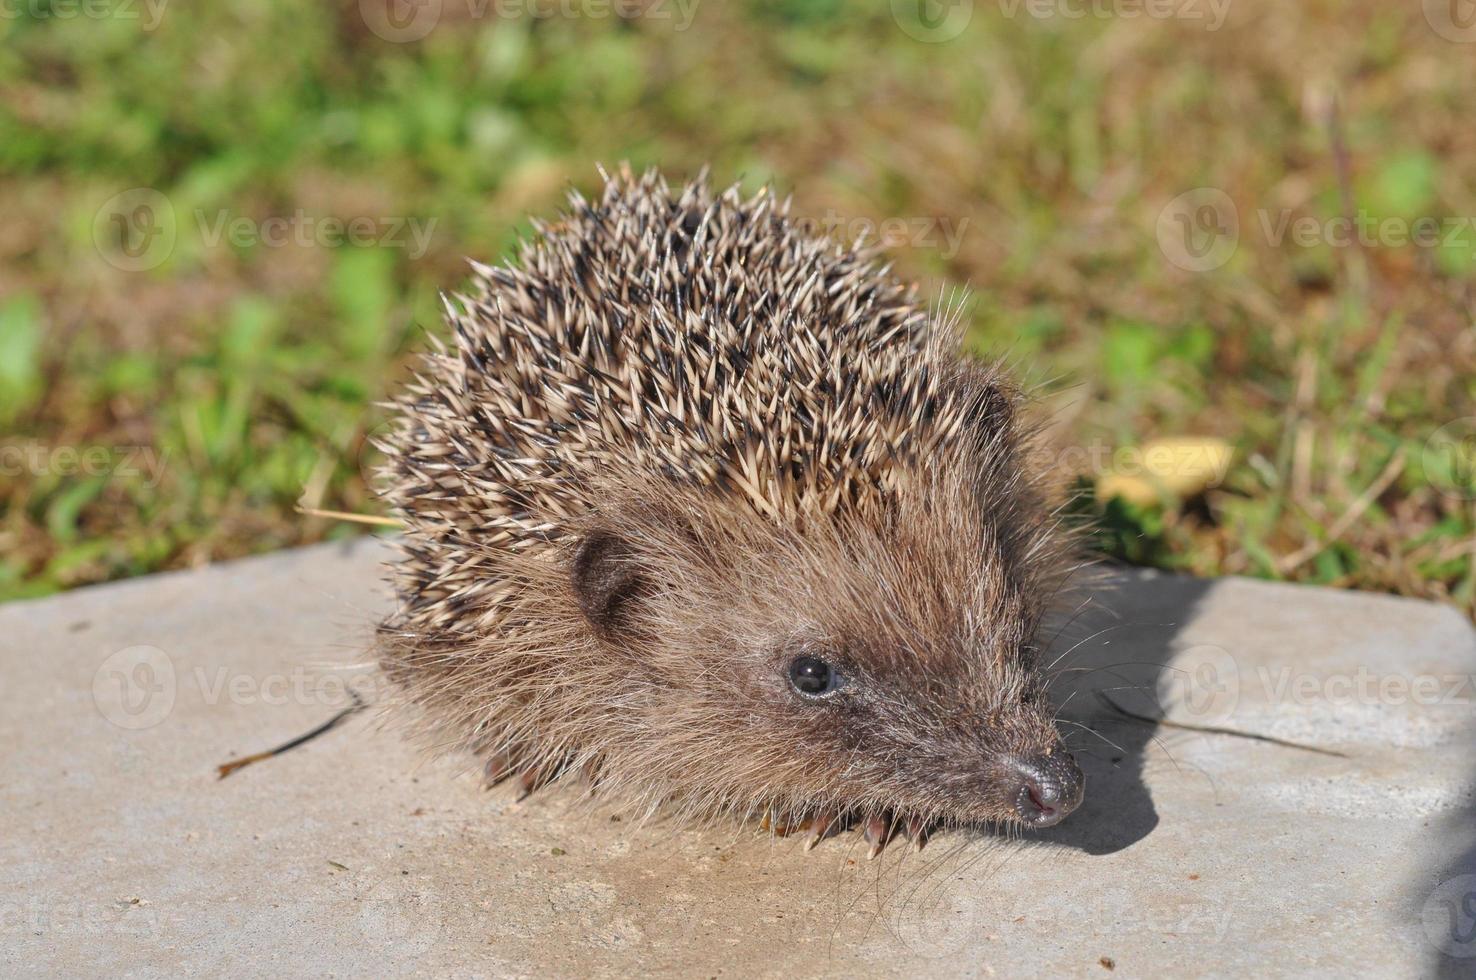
{"points": [[881, 830], [878, 830], [528, 775]]}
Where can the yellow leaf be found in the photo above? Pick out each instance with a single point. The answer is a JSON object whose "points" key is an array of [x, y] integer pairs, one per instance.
{"points": [[1166, 470]]}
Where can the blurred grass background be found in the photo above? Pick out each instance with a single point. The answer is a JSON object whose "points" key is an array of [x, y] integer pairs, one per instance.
{"points": [[221, 381]]}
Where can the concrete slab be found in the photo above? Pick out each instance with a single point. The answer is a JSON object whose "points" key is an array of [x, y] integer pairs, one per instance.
{"points": [[1196, 853]]}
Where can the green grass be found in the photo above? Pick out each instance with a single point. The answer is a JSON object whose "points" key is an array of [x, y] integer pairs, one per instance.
{"points": [[218, 380]]}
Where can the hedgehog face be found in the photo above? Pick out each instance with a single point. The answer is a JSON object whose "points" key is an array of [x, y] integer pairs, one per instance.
{"points": [[931, 712], [830, 667], [927, 738]]}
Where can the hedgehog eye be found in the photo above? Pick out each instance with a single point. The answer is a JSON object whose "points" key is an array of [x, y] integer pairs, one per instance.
{"points": [[813, 677]]}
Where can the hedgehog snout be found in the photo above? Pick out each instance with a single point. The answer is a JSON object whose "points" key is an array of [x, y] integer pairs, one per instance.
{"points": [[1045, 788]]}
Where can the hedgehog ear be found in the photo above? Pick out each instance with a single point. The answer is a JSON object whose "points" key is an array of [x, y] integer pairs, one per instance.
{"points": [[605, 581], [995, 409]]}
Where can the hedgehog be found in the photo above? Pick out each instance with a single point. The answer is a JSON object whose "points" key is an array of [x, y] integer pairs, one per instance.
{"points": [[705, 510]]}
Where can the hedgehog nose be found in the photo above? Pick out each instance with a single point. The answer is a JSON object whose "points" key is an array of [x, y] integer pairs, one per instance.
{"points": [[1050, 787]]}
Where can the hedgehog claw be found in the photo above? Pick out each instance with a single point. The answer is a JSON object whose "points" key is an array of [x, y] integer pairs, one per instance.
{"points": [[918, 831], [876, 831], [591, 773], [534, 779], [498, 768], [820, 827], [527, 783], [544, 772]]}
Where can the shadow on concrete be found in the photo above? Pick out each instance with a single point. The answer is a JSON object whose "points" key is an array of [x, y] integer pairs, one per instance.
{"points": [[1443, 903], [1121, 632]]}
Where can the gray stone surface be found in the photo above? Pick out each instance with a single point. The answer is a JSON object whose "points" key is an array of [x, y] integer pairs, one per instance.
{"points": [[1196, 854]]}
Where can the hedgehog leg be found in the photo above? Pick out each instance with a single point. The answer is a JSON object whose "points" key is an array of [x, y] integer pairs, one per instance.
{"points": [[538, 776], [778, 824]]}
